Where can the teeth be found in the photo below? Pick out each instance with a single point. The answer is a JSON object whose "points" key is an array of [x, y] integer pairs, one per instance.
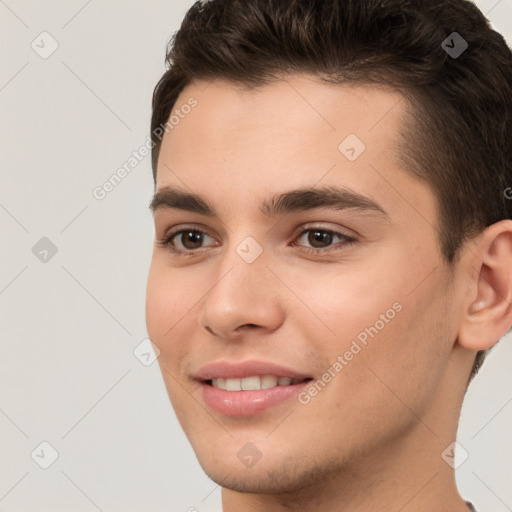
{"points": [[233, 385], [252, 383], [269, 381]]}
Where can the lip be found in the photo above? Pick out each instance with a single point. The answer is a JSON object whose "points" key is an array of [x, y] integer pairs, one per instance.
{"points": [[247, 403], [240, 370]]}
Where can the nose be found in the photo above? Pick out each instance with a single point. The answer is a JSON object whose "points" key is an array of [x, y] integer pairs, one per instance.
{"points": [[243, 297]]}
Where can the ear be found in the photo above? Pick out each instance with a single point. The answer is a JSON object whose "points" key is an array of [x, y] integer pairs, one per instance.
{"points": [[487, 314]]}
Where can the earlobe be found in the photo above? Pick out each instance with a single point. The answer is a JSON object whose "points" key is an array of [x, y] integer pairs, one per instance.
{"points": [[489, 314]]}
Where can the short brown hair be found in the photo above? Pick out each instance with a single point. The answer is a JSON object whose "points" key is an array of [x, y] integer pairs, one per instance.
{"points": [[457, 135]]}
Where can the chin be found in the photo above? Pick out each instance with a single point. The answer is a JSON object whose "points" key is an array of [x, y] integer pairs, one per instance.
{"points": [[258, 482], [278, 474]]}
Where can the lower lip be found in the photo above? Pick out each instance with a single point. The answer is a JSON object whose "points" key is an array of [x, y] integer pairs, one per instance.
{"points": [[248, 403]]}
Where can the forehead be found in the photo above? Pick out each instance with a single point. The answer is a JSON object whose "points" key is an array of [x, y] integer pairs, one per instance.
{"points": [[300, 107], [295, 132]]}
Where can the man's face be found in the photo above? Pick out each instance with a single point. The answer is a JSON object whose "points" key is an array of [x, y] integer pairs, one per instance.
{"points": [[362, 284]]}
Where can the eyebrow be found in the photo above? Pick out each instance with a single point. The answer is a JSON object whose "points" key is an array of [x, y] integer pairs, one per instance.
{"points": [[294, 200]]}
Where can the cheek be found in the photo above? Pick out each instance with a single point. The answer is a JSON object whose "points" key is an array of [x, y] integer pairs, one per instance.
{"points": [[158, 305], [382, 319], [350, 300], [167, 302], [405, 362]]}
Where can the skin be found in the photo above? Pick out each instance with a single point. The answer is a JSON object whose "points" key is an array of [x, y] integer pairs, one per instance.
{"points": [[372, 438]]}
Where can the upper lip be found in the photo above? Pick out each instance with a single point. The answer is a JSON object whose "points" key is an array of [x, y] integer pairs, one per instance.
{"points": [[242, 369]]}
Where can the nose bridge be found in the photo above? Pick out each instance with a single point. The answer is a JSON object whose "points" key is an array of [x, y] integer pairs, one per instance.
{"points": [[243, 263], [242, 292]]}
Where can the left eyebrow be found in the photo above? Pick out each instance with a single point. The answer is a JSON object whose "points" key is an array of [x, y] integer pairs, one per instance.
{"points": [[303, 199]]}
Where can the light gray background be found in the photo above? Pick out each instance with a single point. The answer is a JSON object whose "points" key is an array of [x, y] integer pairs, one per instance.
{"points": [[69, 325]]}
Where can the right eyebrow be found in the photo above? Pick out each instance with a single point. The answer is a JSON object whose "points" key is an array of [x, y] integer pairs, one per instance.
{"points": [[174, 198]]}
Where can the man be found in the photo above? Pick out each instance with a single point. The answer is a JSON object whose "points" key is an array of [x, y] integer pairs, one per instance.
{"points": [[333, 250]]}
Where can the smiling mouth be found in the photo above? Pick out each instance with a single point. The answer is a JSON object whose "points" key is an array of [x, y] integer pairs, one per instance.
{"points": [[253, 383]]}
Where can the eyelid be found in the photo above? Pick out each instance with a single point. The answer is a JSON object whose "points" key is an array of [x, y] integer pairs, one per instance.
{"points": [[171, 234], [341, 230], [347, 240], [185, 227]]}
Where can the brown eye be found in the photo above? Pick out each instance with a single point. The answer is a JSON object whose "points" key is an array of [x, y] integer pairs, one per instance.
{"points": [[185, 241], [190, 239], [320, 240], [317, 238]]}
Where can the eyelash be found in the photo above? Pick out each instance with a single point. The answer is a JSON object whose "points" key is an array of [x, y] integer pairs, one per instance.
{"points": [[167, 241]]}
